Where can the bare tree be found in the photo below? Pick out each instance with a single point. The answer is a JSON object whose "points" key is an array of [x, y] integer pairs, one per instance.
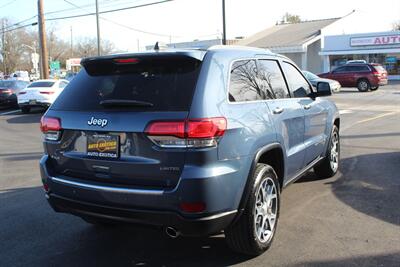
{"points": [[396, 26], [290, 18], [87, 47]]}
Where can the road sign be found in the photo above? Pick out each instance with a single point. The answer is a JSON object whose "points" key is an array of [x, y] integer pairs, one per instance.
{"points": [[55, 65]]}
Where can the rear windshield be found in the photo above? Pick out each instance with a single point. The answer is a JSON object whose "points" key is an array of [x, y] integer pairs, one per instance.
{"points": [[168, 84], [379, 68], [41, 84]]}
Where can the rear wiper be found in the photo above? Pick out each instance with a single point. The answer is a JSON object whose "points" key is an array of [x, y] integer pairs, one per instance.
{"points": [[125, 103]]}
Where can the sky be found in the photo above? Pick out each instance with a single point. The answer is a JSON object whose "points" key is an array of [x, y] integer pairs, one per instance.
{"points": [[187, 20]]}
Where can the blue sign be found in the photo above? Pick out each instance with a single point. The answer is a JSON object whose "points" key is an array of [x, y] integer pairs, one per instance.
{"points": [[391, 60]]}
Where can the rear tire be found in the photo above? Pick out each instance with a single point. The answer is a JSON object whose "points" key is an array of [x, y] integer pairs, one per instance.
{"points": [[363, 85], [254, 231], [329, 166], [25, 110], [374, 88]]}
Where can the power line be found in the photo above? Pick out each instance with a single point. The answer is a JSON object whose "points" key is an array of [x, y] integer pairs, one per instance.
{"points": [[123, 25], [108, 11], [7, 4], [87, 14], [19, 22]]}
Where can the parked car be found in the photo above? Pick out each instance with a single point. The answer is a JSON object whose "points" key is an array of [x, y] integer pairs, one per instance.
{"points": [[41, 93], [363, 76], [192, 141], [9, 90], [314, 80], [20, 75]]}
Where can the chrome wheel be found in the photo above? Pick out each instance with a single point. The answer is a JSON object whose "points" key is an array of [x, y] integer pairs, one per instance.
{"points": [[363, 85], [266, 210], [334, 155]]}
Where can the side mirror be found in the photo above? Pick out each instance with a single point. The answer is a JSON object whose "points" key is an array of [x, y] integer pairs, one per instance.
{"points": [[323, 89]]}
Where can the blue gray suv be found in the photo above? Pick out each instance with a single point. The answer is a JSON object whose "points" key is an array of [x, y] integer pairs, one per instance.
{"points": [[195, 142]]}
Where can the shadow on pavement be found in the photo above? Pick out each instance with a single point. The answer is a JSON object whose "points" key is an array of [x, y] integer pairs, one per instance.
{"points": [[370, 184], [33, 234], [390, 259], [26, 118]]}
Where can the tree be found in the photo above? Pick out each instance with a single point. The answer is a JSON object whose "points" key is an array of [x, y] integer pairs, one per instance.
{"points": [[87, 47], [396, 26], [290, 18]]}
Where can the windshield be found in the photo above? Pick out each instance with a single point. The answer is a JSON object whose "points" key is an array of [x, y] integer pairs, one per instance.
{"points": [[310, 76], [165, 84], [41, 84]]}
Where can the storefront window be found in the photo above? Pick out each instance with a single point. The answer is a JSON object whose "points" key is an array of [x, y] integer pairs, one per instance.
{"points": [[391, 62]]}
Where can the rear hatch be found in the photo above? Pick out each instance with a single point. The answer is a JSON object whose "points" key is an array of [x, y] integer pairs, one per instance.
{"points": [[104, 112]]}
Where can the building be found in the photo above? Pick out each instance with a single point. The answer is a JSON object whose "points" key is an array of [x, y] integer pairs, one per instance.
{"points": [[301, 42], [320, 45], [380, 47]]}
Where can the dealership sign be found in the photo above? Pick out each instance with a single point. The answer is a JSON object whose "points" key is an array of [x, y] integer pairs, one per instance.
{"points": [[376, 40]]}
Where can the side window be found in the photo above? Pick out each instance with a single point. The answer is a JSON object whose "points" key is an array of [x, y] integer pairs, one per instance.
{"points": [[340, 69], [298, 85], [243, 84], [272, 79]]}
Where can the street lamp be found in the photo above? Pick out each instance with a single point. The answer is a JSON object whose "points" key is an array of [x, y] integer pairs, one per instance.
{"points": [[34, 57]]}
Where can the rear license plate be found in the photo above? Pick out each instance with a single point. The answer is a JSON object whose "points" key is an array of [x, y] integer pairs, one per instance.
{"points": [[32, 102], [103, 146]]}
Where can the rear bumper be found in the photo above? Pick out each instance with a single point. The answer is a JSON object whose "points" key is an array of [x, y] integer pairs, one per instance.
{"points": [[36, 104], [149, 207], [202, 226]]}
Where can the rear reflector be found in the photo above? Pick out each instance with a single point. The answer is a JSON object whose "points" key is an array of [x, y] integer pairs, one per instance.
{"points": [[51, 128], [193, 207], [187, 133]]}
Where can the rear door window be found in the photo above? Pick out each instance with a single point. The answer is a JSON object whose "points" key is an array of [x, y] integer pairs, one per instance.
{"points": [[243, 84], [272, 79], [167, 83]]}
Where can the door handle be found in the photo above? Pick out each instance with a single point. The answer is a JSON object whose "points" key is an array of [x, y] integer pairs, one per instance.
{"points": [[277, 110], [307, 106]]}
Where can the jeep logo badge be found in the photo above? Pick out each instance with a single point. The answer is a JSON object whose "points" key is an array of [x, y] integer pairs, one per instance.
{"points": [[97, 122]]}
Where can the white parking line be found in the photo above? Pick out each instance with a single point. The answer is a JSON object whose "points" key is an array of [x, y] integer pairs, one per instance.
{"points": [[10, 112], [345, 111]]}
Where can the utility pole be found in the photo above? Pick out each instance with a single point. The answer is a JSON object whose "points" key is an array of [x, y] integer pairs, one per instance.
{"points": [[98, 28], [44, 72], [223, 23], [3, 46]]}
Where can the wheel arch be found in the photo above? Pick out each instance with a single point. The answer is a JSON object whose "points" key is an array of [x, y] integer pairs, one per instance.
{"points": [[271, 154]]}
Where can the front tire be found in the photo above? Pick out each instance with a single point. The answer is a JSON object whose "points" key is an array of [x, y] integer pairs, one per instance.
{"points": [[329, 166], [254, 231], [363, 85]]}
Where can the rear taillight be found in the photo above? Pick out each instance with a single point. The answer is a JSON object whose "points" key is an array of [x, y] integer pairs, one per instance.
{"points": [[194, 133], [47, 92], [376, 74], [51, 128], [6, 91], [22, 93]]}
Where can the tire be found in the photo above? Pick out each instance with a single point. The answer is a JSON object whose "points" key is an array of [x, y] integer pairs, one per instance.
{"points": [[25, 110], [374, 88], [329, 166], [363, 85], [243, 236]]}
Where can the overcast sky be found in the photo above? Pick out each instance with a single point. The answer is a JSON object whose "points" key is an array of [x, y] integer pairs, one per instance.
{"points": [[186, 20]]}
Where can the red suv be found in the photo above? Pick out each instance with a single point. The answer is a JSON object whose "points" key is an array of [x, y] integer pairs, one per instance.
{"points": [[363, 76]]}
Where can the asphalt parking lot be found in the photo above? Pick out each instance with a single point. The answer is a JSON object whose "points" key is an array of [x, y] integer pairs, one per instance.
{"points": [[352, 219]]}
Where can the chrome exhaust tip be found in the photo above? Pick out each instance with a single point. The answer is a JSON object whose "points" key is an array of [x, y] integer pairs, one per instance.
{"points": [[171, 232]]}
